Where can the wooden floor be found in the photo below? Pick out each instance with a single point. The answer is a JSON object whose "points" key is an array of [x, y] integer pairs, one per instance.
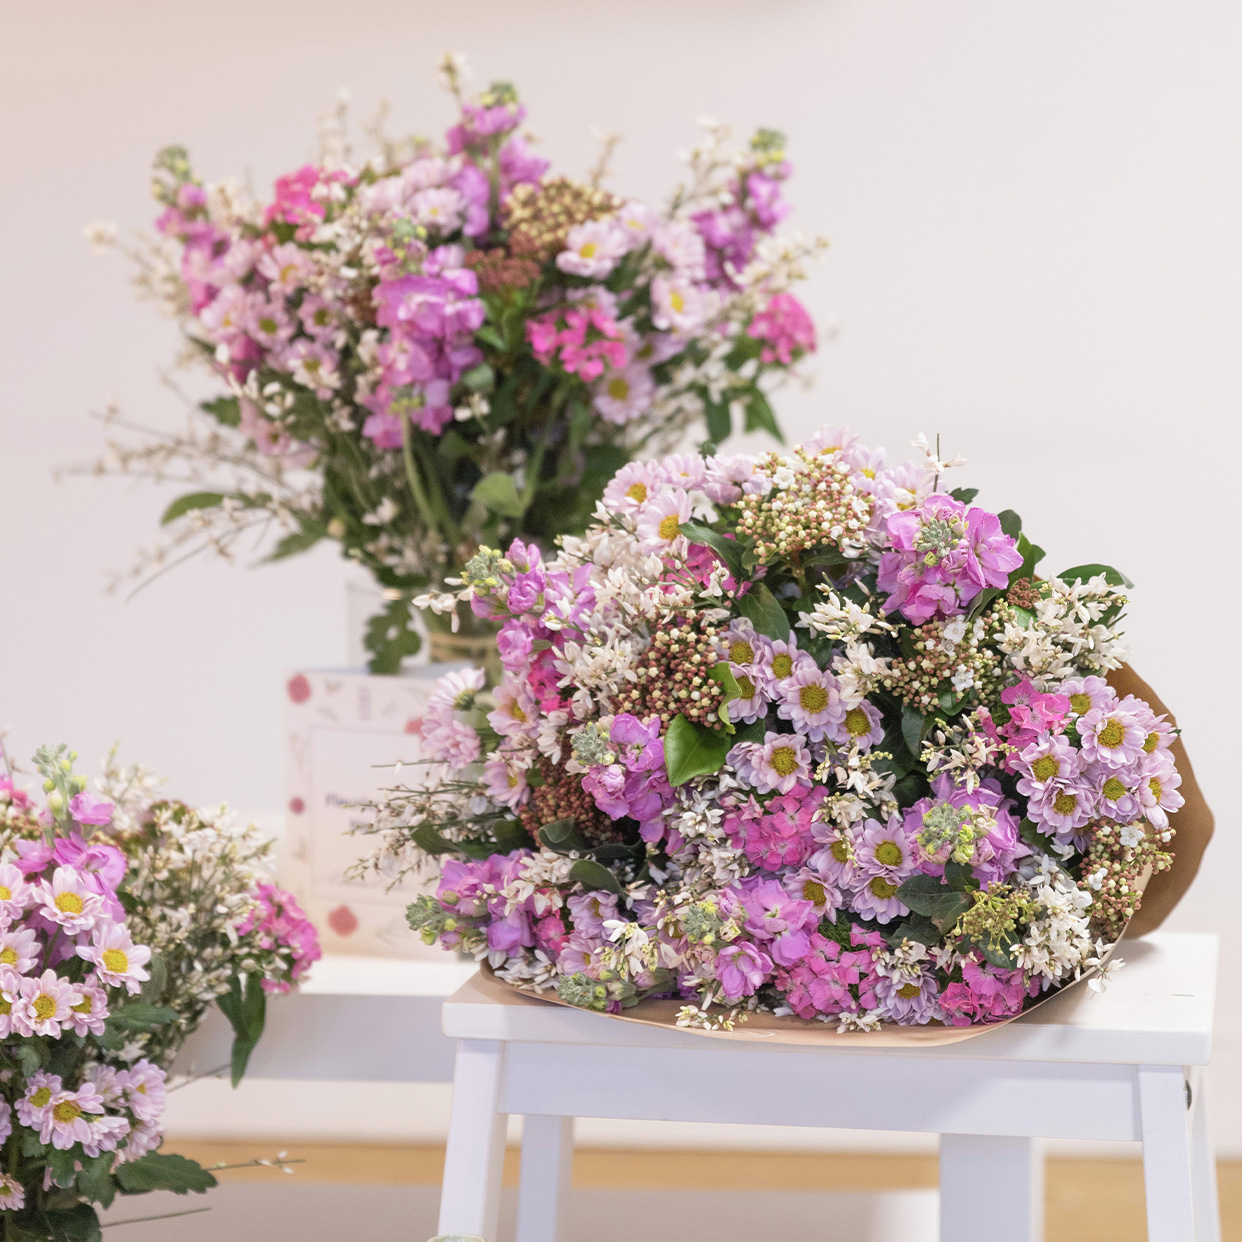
{"points": [[1088, 1200]]}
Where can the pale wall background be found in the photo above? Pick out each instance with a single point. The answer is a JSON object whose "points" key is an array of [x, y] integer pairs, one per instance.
{"points": [[1035, 213]]}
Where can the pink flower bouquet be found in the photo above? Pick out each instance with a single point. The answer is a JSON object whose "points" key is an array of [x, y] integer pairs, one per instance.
{"points": [[447, 344], [800, 734]]}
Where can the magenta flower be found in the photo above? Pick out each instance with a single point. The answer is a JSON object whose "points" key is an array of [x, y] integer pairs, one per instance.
{"points": [[785, 329], [986, 994], [88, 808], [771, 915], [942, 556], [741, 970], [820, 981]]}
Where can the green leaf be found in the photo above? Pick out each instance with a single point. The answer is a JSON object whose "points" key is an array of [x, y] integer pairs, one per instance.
{"points": [[188, 503], [164, 1171], [1031, 554], [431, 842], [924, 894], [1010, 523], [964, 495], [76, 1224], [960, 877], [719, 420], [762, 609], [1037, 840], [692, 750], [913, 725], [908, 790], [498, 492], [1080, 573], [63, 1166], [722, 675], [759, 416], [998, 954], [592, 876], [245, 1006], [511, 835], [299, 541], [489, 336], [139, 1016], [729, 550], [562, 835], [917, 928], [390, 637], [154, 987], [225, 410], [95, 1179], [480, 379]]}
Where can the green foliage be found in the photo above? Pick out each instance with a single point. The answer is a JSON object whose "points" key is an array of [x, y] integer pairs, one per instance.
{"points": [[225, 410], [925, 895], [164, 1171], [692, 749], [498, 493], [964, 495], [730, 551], [78, 1223], [563, 837], [762, 609], [299, 540], [140, 1016], [188, 503], [245, 1006], [390, 637], [759, 416], [591, 875], [1081, 573]]}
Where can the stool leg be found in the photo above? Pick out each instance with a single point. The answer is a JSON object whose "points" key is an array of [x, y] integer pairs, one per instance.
{"points": [[1203, 1165], [474, 1158], [547, 1161], [1166, 1153], [991, 1189]]}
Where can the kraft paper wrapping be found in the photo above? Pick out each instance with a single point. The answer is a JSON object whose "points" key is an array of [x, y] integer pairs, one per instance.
{"points": [[1194, 825]]}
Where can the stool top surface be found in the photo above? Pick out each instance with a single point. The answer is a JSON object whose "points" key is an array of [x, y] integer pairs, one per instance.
{"points": [[1156, 1010], [338, 974]]}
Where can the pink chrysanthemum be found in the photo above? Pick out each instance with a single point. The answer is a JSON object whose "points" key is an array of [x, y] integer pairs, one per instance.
{"points": [[69, 901], [117, 959]]}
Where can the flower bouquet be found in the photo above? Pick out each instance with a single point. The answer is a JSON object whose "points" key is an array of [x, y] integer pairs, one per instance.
{"points": [[447, 345], [80, 1106], [791, 734]]}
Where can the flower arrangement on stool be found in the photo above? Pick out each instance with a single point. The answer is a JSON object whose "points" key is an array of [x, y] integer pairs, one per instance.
{"points": [[802, 734], [90, 1017], [446, 344]]}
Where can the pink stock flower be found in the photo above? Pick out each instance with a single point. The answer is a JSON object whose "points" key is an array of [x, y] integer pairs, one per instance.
{"points": [[88, 808], [282, 925], [741, 970], [785, 329]]}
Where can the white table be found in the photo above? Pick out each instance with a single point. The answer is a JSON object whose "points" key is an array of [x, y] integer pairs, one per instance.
{"points": [[365, 1019], [1122, 1065]]}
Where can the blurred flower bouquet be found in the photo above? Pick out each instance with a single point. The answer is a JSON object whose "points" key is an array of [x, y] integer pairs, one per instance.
{"points": [[446, 345], [802, 734], [196, 891], [80, 1106]]}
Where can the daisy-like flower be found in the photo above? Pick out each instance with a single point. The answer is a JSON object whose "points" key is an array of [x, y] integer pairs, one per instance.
{"points": [[438, 208], [1052, 758], [35, 1104], [680, 245], [317, 317], [837, 860], [455, 692], [875, 897], [117, 959], [12, 1196], [1063, 807], [1113, 737], [886, 850], [659, 524], [624, 395], [1087, 693], [810, 884], [19, 949], [143, 1137], [811, 700], [1157, 790], [109, 1081], [15, 894], [314, 365], [145, 1091], [908, 998], [593, 248], [88, 1016], [515, 714], [10, 998], [270, 324], [632, 486], [287, 267], [44, 1005], [66, 1120], [6, 1120], [862, 724], [676, 304], [775, 765], [751, 702], [638, 222], [780, 660], [69, 901], [1117, 795], [684, 470], [106, 1133], [505, 783]]}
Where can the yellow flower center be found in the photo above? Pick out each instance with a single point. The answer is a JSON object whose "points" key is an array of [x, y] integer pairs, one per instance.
{"points": [[882, 888], [44, 1006], [513, 780], [6, 1005], [84, 1007], [1080, 704], [619, 387], [867, 472], [6, 893], [637, 492], [1065, 803], [670, 527], [856, 722], [587, 250], [813, 699], [66, 1111], [741, 652], [1113, 789], [909, 990], [784, 760], [115, 962], [888, 854], [1112, 734], [1046, 767], [746, 686], [517, 713], [8, 957], [1156, 788], [1150, 742], [267, 324], [782, 664], [813, 891], [69, 903], [41, 1097], [676, 301]]}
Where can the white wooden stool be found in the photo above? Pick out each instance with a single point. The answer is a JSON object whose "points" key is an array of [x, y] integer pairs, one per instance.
{"points": [[1123, 1065]]}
